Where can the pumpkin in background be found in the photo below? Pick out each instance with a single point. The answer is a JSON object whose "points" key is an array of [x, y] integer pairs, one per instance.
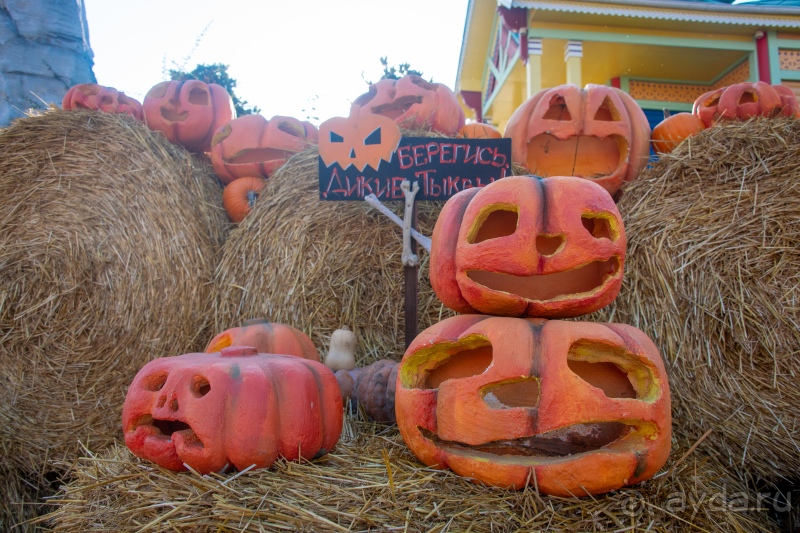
{"points": [[599, 133], [105, 99], [569, 407], [347, 383], [375, 390], [744, 100], [238, 195], [266, 337], [188, 112], [358, 140], [413, 102], [673, 129], [254, 146], [235, 408], [479, 130], [528, 246]]}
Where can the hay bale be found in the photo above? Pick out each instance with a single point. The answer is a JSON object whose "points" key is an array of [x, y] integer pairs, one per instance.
{"points": [[22, 501], [108, 235], [373, 482], [712, 277]]}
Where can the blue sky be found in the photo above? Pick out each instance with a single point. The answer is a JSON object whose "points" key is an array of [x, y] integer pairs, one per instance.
{"points": [[286, 56]]}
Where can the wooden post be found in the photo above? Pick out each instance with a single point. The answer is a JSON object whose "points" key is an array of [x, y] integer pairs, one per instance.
{"points": [[412, 287]]}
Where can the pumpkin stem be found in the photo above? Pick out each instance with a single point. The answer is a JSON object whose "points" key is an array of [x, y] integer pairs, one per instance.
{"points": [[251, 198], [667, 114]]}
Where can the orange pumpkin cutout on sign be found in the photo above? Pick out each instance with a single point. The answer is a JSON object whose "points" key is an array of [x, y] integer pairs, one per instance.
{"points": [[527, 246], [358, 140], [569, 407], [599, 133], [254, 146], [188, 112]]}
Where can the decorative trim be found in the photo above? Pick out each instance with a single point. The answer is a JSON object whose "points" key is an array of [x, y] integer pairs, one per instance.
{"points": [[748, 19], [789, 59], [686, 92], [635, 38], [573, 49], [534, 47]]}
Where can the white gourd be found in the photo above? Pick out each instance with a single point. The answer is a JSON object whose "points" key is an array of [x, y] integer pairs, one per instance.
{"points": [[341, 355]]}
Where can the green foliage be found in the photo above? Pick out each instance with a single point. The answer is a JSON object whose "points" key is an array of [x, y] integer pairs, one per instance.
{"points": [[216, 73], [391, 73]]}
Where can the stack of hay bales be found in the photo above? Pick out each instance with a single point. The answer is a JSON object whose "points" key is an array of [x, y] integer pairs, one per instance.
{"points": [[108, 236], [713, 277]]}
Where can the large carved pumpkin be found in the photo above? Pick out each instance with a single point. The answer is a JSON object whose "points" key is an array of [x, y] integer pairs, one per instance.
{"points": [[569, 407], [358, 140], [599, 133], [236, 408], [527, 246], [266, 337], [188, 112], [254, 146], [105, 99], [412, 101], [744, 100]]}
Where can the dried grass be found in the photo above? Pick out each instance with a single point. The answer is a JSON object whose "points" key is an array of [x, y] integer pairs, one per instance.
{"points": [[108, 236], [318, 265], [372, 482], [712, 276]]}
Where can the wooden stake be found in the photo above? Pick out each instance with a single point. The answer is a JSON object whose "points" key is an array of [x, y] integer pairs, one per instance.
{"points": [[412, 288]]}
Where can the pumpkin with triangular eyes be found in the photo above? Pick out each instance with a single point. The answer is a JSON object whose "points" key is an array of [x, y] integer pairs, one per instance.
{"points": [[105, 99], [252, 146], [571, 408], [744, 100], [358, 140], [598, 133], [188, 112], [529, 246]]}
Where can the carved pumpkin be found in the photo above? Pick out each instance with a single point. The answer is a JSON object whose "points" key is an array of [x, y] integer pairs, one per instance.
{"points": [[266, 337], [479, 130], [527, 246], [744, 100], [254, 146], [411, 101], [673, 129], [236, 197], [570, 407], [599, 133], [358, 140], [188, 112], [105, 99], [235, 408]]}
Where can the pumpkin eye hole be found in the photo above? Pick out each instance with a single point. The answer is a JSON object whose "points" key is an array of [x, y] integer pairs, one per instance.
{"points": [[198, 96], [548, 245], [558, 110], [155, 382], [336, 138], [292, 129], [520, 393], [106, 100], [200, 386], [501, 221], [461, 364], [612, 369], [748, 98], [713, 102], [607, 112], [373, 138], [367, 96], [600, 226]]}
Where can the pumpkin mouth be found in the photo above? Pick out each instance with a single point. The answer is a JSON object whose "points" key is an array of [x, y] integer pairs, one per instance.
{"points": [[258, 155], [579, 282], [175, 431], [568, 441], [584, 156], [171, 115]]}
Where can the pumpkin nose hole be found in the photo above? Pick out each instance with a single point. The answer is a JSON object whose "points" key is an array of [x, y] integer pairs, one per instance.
{"points": [[499, 223], [748, 98], [600, 227], [548, 245], [173, 405], [558, 110], [161, 401], [523, 393], [352, 153]]}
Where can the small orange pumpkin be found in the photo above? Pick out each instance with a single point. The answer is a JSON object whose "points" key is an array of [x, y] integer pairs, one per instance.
{"points": [[240, 196], [358, 140], [673, 129], [479, 130], [105, 99], [266, 337], [254, 146]]}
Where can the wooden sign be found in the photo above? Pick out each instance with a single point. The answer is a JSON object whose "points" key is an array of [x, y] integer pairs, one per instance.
{"points": [[366, 155]]}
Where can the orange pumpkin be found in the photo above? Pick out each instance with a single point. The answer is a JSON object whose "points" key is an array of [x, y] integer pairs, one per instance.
{"points": [[188, 112], [528, 246], [569, 407], [105, 99], [238, 196], [254, 146], [673, 129], [744, 100], [358, 140], [266, 337], [234, 408], [413, 102], [599, 133], [479, 130]]}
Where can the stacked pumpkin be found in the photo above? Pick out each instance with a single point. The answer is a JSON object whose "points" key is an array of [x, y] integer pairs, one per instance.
{"points": [[741, 101]]}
